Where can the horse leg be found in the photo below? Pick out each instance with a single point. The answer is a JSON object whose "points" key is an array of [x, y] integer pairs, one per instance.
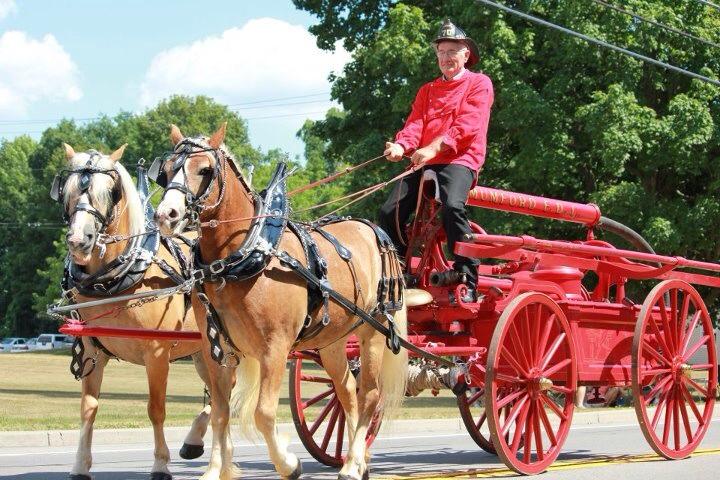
{"points": [[193, 443], [335, 362], [222, 380], [380, 367], [272, 368], [157, 365], [88, 410], [371, 352]]}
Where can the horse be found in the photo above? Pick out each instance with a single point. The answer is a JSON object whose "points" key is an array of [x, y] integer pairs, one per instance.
{"points": [[260, 317], [99, 198]]}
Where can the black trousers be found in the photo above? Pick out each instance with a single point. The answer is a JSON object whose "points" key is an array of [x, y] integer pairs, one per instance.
{"points": [[455, 183]]}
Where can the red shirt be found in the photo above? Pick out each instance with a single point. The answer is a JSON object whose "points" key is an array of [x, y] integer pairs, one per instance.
{"points": [[459, 111]]}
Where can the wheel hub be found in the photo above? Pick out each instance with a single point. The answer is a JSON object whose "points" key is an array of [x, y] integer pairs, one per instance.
{"points": [[544, 384]]}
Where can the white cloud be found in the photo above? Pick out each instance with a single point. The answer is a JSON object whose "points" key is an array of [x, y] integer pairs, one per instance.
{"points": [[6, 8], [34, 70], [265, 58]]}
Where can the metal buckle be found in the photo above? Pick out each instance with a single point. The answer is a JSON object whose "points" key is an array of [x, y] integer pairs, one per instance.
{"points": [[198, 275], [217, 267], [69, 295]]}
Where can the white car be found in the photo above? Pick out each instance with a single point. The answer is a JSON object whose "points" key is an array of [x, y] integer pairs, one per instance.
{"points": [[32, 343], [48, 341], [13, 344]]}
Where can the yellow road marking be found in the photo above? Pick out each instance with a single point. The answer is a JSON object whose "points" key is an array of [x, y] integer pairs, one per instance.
{"points": [[557, 466]]}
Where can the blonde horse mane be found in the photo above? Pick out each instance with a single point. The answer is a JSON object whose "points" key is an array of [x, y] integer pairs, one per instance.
{"points": [[100, 189]]}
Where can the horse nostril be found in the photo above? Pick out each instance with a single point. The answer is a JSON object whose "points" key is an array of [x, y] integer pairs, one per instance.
{"points": [[172, 214]]}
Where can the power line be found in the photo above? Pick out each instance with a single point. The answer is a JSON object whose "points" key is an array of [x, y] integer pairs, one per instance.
{"points": [[281, 105], [236, 105], [297, 114], [278, 99], [709, 4], [32, 225], [656, 23], [288, 115], [638, 56]]}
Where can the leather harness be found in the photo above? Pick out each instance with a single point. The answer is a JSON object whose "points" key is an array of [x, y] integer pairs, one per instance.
{"points": [[261, 244], [122, 273]]}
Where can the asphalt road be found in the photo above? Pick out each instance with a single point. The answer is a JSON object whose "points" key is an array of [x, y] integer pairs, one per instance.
{"points": [[591, 452]]}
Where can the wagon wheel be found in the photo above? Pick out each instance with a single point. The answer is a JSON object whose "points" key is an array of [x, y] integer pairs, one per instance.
{"points": [[318, 416], [531, 354], [670, 367], [471, 404]]}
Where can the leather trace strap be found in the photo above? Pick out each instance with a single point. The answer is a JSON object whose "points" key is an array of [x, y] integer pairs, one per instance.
{"points": [[394, 341], [216, 331], [78, 363]]}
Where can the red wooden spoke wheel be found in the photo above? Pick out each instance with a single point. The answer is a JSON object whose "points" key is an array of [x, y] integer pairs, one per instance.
{"points": [[318, 416], [674, 366], [471, 404], [531, 355]]}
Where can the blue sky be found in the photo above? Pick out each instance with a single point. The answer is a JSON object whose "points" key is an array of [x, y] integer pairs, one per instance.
{"points": [[81, 58]]}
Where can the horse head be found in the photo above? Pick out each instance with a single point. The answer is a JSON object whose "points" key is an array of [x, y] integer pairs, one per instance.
{"points": [[193, 176], [94, 190]]}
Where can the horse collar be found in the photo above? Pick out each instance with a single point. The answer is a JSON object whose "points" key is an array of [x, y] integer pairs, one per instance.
{"points": [[263, 237]]}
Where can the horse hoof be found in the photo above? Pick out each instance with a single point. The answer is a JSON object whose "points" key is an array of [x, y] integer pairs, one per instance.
{"points": [[296, 474], [79, 476], [190, 452], [160, 476], [366, 476]]}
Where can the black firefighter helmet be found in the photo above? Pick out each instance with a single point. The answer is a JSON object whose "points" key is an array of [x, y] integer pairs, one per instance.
{"points": [[450, 31]]}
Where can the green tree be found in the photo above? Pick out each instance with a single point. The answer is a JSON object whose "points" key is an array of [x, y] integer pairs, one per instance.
{"points": [[16, 239]]}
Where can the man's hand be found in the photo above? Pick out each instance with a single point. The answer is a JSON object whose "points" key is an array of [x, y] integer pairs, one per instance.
{"points": [[393, 151], [424, 154]]}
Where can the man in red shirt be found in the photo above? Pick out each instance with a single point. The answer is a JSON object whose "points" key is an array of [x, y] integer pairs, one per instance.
{"points": [[446, 132]]}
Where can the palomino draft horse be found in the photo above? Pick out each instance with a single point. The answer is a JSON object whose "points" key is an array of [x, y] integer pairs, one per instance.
{"points": [[262, 314], [99, 197]]}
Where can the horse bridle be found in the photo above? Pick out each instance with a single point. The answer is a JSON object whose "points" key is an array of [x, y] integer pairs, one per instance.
{"points": [[179, 156], [86, 172]]}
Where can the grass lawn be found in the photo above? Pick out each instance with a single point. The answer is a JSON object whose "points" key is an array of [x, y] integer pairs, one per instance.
{"points": [[38, 392]]}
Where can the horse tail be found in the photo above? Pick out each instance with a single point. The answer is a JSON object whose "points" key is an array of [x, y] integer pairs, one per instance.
{"points": [[394, 370], [244, 398]]}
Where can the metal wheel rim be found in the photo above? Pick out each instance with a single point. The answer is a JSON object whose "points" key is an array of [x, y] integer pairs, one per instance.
{"points": [[533, 416], [672, 389], [316, 450]]}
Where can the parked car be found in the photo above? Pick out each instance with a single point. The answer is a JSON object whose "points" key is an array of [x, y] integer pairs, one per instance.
{"points": [[32, 343], [13, 344], [48, 341]]}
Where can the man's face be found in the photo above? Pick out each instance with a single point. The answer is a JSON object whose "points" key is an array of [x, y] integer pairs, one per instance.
{"points": [[451, 57]]}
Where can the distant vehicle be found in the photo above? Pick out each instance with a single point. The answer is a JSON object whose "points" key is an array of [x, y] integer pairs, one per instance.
{"points": [[48, 341], [13, 344], [32, 343]]}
